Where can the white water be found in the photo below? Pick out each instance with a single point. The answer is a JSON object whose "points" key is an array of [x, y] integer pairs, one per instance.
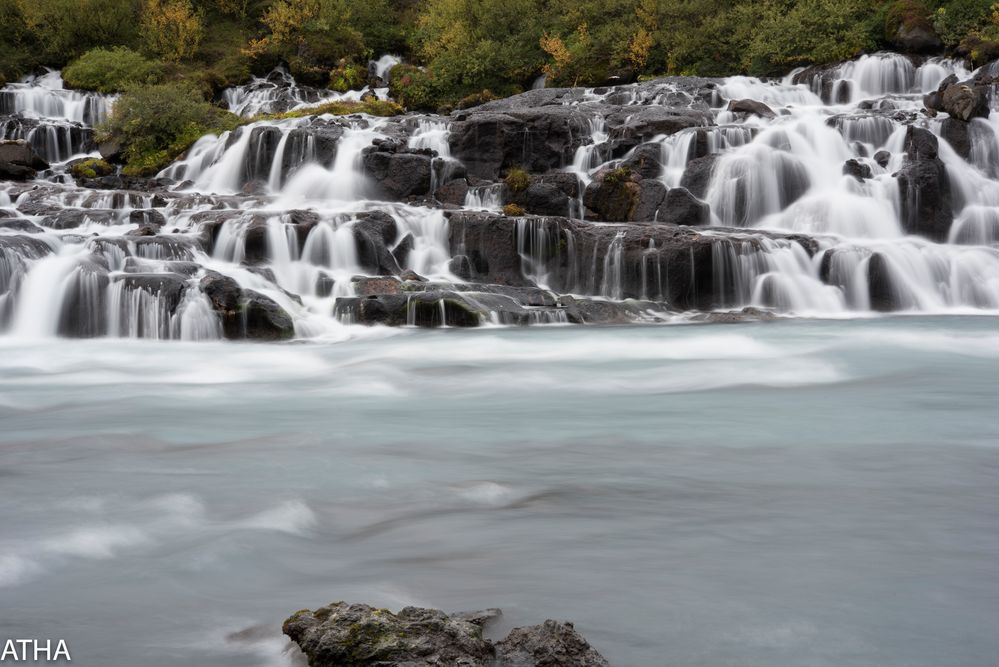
{"points": [[782, 174]]}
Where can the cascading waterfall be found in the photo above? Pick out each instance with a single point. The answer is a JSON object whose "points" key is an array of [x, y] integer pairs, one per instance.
{"points": [[282, 209]]}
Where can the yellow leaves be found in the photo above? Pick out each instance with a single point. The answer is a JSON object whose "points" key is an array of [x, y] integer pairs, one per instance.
{"points": [[556, 48], [639, 48], [172, 29]]}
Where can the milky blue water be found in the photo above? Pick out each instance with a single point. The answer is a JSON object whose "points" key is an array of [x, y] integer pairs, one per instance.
{"points": [[792, 493]]}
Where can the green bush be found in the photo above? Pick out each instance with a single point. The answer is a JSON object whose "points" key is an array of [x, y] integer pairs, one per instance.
{"points": [[155, 124], [414, 88], [111, 70], [348, 75], [954, 20]]}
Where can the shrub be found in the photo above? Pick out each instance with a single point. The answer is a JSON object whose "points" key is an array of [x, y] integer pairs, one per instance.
{"points": [[475, 99], [111, 70], [155, 124], [311, 35], [61, 30], [171, 28], [348, 75], [91, 168], [414, 88], [517, 180], [513, 210], [954, 20]]}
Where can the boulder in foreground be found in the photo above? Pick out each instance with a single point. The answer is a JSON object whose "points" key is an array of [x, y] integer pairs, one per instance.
{"points": [[356, 635]]}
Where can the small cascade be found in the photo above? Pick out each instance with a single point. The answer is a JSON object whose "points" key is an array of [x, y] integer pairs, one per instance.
{"points": [[380, 68], [278, 92], [44, 97], [485, 198], [590, 156]]}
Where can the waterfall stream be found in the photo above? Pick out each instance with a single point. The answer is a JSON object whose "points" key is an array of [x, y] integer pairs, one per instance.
{"points": [[287, 209]]}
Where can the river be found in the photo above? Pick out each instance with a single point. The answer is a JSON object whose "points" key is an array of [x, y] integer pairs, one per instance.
{"points": [[799, 492]]}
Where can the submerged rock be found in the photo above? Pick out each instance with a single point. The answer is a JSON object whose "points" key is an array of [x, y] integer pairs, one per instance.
{"points": [[356, 635]]}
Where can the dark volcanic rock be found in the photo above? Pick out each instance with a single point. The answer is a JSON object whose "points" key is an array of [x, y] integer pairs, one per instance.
{"points": [[613, 195], [536, 139], [551, 644], [964, 102], [356, 635], [680, 207], [18, 161], [697, 176], [245, 314], [958, 135], [751, 107], [398, 175], [924, 187], [857, 169]]}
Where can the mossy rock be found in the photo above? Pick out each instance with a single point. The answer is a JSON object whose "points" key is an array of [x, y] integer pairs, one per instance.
{"points": [[513, 211], [91, 168]]}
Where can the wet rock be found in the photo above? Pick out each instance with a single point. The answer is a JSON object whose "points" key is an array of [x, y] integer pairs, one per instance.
{"points": [[461, 267], [489, 142], [748, 314], [71, 218], [612, 195], [551, 644], [19, 161], [680, 207], [20, 225], [452, 193], [259, 318], [222, 291], [924, 187], [168, 288], [631, 127], [697, 176], [964, 102], [882, 158], [422, 309], [957, 133], [396, 176], [857, 169], [879, 280], [375, 233], [356, 635], [373, 286], [751, 107], [646, 161], [655, 262]]}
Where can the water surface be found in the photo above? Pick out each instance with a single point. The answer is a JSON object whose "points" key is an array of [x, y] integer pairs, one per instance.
{"points": [[790, 493]]}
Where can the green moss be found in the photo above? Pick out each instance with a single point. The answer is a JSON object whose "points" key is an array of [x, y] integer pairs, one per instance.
{"points": [[383, 108], [617, 176], [517, 180], [475, 99], [91, 168]]}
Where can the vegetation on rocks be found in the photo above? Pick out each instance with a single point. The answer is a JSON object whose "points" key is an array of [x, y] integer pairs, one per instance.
{"points": [[91, 168], [155, 124]]}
